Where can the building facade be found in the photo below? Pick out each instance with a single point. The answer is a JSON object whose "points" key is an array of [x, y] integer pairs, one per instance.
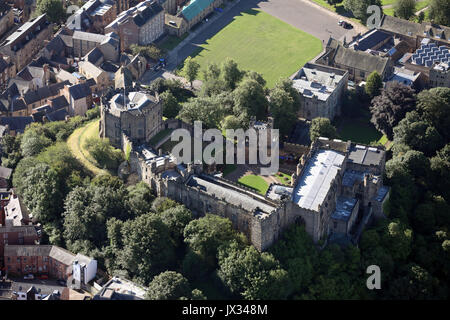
{"points": [[321, 90], [24, 44]]}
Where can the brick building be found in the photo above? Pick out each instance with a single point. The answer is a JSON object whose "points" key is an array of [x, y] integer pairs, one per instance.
{"points": [[6, 18]]}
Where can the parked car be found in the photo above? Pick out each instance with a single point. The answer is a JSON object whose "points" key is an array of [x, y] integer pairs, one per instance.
{"points": [[28, 277], [340, 22], [347, 25], [43, 277]]}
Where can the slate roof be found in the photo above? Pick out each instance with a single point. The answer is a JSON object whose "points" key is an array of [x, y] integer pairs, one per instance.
{"points": [[79, 91], [59, 102], [365, 155], [400, 26], [360, 60], [44, 92], [194, 8], [94, 55], [344, 208], [370, 40], [17, 124], [88, 36], [147, 14], [57, 253]]}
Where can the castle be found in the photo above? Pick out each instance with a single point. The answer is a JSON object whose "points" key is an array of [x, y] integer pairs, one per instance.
{"points": [[336, 190]]}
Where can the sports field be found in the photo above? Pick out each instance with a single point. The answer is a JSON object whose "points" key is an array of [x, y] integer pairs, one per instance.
{"points": [[257, 41]]}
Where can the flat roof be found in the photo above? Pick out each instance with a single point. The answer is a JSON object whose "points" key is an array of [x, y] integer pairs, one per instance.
{"points": [[313, 185], [276, 191], [365, 155], [344, 208]]}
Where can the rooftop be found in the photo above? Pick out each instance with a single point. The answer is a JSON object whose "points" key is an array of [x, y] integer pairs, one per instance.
{"points": [[313, 185], [344, 208], [194, 8], [121, 289], [369, 40], [364, 155], [231, 193]]}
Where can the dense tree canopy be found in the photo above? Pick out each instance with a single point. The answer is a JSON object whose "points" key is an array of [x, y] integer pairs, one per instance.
{"points": [[321, 127]]}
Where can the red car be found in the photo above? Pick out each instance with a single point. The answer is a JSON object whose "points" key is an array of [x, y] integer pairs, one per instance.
{"points": [[43, 277]]}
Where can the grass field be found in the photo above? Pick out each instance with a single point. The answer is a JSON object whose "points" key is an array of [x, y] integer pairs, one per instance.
{"points": [[76, 145], [259, 42], [171, 41], [283, 178], [358, 130], [390, 11], [255, 182]]}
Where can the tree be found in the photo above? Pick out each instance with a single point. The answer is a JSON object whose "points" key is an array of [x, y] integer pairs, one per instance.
{"points": [[321, 127], [405, 9], [205, 235], [440, 168], [151, 51], [439, 12], [212, 72], [231, 73], [102, 151], [52, 8], [34, 141], [418, 134], [282, 110], [251, 274], [41, 191], [255, 76], [168, 285], [421, 17], [286, 85], [170, 105], [231, 122], [147, 247], [250, 100], [11, 152], [139, 200], [434, 105], [161, 204], [391, 106], [176, 219], [190, 69], [86, 211], [374, 84], [359, 7]]}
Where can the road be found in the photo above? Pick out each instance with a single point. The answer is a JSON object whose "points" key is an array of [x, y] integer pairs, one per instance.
{"points": [[302, 14]]}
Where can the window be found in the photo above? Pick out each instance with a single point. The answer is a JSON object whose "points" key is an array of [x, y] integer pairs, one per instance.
{"points": [[362, 74]]}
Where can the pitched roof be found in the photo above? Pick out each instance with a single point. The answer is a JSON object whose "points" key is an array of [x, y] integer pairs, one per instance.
{"points": [[88, 36], [44, 92], [80, 91], [90, 68], [147, 14], [17, 124], [400, 26], [194, 8], [360, 60], [94, 55], [59, 102]]}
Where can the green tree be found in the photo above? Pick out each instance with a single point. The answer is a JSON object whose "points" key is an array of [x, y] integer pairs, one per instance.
{"points": [[139, 200], [34, 141], [434, 105], [374, 84], [321, 127], [251, 274], [250, 100], [11, 152], [359, 7], [168, 285], [190, 69], [176, 219], [231, 122], [282, 110], [405, 9], [439, 12], [147, 247], [171, 107], [102, 151], [231, 73], [421, 17], [52, 8], [205, 235], [391, 106]]}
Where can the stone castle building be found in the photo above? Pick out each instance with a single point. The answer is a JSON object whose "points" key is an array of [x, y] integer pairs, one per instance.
{"points": [[136, 115], [336, 190]]}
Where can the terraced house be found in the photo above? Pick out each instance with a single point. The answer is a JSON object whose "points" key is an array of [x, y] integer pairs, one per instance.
{"points": [[196, 10], [24, 44], [142, 24]]}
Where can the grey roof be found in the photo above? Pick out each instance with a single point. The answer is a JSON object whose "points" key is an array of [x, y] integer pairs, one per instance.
{"points": [[26, 28], [94, 55], [5, 173], [44, 92], [317, 176], [370, 40], [17, 124], [58, 115], [88, 36], [121, 289], [344, 208], [147, 14], [28, 230], [15, 212], [352, 176], [232, 194], [80, 91], [59, 103], [360, 60], [365, 155]]}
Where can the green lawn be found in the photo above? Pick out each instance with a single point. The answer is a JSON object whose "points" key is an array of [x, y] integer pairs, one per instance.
{"points": [[255, 182], [170, 42], [76, 141], [283, 178], [358, 130], [257, 41], [419, 6]]}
